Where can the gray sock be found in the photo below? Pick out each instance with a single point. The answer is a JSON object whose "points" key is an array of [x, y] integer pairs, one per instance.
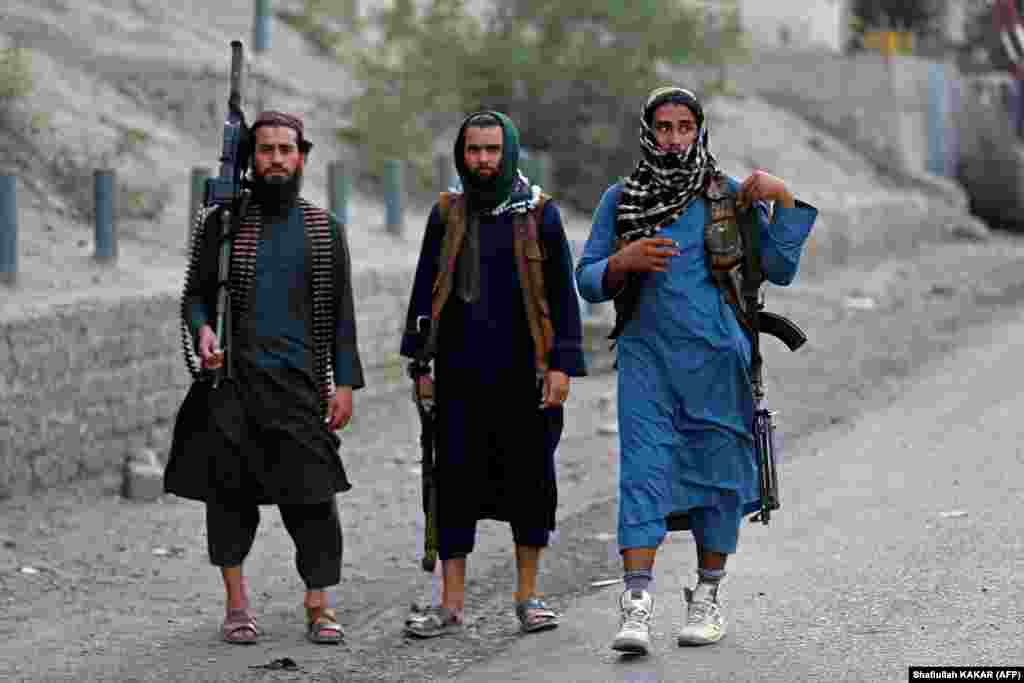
{"points": [[707, 582], [638, 580]]}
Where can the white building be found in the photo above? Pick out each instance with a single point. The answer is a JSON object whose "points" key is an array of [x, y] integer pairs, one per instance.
{"points": [[796, 24]]}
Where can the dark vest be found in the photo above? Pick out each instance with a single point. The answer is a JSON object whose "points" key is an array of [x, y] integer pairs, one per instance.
{"points": [[529, 256]]}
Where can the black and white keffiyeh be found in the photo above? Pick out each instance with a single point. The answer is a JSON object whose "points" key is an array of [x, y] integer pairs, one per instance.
{"points": [[663, 183]]}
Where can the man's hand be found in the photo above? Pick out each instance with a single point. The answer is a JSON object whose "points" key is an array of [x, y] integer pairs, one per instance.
{"points": [[212, 357], [556, 389], [645, 255], [339, 410], [763, 187]]}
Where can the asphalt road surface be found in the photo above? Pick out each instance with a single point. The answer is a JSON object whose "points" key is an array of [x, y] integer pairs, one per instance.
{"points": [[898, 541]]}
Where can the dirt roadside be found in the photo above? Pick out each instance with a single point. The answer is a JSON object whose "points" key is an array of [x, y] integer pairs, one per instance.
{"points": [[121, 591]]}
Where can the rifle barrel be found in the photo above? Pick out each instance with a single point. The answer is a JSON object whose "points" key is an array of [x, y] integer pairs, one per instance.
{"points": [[237, 68]]}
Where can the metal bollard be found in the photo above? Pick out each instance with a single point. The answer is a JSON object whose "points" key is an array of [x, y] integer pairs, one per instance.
{"points": [[393, 196], [337, 190], [106, 215], [445, 173], [197, 195], [8, 229], [261, 27], [544, 170]]}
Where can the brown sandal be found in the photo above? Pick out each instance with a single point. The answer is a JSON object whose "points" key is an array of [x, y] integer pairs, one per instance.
{"points": [[322, 626], [239, 627]]}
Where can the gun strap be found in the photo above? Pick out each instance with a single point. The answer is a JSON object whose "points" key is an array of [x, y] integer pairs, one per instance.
{"points": [[753, 276]]}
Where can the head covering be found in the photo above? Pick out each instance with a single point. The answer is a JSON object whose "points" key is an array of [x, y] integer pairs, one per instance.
{"points": [[279, 118], [664, 182], [490, 193]]}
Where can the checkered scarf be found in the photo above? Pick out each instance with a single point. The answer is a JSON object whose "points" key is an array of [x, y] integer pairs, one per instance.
{"points": [[524, 197], [663, 183]]}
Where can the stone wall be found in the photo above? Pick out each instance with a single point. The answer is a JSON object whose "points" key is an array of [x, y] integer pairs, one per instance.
{"points": [[85, 385]]}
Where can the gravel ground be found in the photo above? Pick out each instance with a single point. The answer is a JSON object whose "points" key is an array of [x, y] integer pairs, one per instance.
{"points": [[121, 590]]}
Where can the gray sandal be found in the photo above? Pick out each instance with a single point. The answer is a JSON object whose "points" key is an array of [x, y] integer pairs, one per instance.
{"points": [[432, 622], [322, 626], [534, 616]]}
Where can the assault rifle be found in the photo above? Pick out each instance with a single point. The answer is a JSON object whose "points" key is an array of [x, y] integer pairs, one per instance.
{"points": [[426, 407], [228, 194], [758, 321]]}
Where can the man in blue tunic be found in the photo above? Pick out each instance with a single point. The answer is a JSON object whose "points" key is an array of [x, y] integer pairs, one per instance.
{"points": [[494, 308], [295, 363], [684, 390]]}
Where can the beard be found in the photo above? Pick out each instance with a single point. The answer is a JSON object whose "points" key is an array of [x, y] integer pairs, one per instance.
{"points": [[277, 192], [477, 181]]}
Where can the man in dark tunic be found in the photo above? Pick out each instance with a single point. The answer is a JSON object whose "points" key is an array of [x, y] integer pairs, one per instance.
{"points": [[498, 394], [295, 365]]}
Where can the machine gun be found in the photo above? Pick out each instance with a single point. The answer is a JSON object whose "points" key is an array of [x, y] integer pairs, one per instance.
{"points": [[227, 195]]}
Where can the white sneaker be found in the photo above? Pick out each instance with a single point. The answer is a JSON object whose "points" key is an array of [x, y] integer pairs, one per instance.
{"points": [[704, 622], [637, 608]]}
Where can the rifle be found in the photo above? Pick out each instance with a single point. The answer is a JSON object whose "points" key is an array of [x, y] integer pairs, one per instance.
{"points": [[427, 409], [230, 198], [760, 321]]}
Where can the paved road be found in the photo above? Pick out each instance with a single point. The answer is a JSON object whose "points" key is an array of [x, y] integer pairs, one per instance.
{"points": [[900, 543], [122, 591]]}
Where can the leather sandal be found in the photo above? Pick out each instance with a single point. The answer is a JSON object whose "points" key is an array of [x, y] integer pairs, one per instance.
{"points": [[534, 615], [239, 627], [322, 626]]}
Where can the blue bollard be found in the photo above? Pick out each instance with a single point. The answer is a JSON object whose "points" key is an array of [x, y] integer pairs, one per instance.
{"points": [[338, 190], [447, 176], [106, 230], [393, 196], [261, 27], [8, 229]]}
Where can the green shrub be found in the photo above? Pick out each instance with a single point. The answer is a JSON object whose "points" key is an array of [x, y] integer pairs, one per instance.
{"points": [[15, 73], [571, 73]]}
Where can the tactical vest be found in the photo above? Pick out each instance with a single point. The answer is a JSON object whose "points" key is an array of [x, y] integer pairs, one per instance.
{"points": [[529, 256]]}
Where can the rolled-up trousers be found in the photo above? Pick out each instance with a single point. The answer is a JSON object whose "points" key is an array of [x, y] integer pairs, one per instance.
{"points": [[315, 529]]}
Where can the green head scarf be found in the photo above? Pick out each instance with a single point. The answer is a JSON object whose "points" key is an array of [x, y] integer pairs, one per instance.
{"points": [[487, 194]]}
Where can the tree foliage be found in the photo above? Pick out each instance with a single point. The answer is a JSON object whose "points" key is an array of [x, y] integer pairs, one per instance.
{"points": [[15, 74], [905, 15], [570, 73]]}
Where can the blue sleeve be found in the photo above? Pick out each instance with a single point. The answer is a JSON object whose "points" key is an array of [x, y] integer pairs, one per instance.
{"points": [[783, 238], [567, 351], [423, 284], [600, 245]]}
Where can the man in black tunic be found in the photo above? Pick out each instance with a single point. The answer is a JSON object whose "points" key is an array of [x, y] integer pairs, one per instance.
{"points": [[499, 393], [295, 364]]}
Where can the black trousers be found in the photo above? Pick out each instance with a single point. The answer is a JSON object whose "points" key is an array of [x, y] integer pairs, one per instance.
{"points": [[315, 529]]}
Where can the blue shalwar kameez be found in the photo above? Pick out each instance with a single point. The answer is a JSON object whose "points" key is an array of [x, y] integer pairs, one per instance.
{"points": [[684, 395]]}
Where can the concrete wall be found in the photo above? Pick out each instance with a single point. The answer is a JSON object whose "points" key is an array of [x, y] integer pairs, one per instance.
{"points": [[85, 385]]}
